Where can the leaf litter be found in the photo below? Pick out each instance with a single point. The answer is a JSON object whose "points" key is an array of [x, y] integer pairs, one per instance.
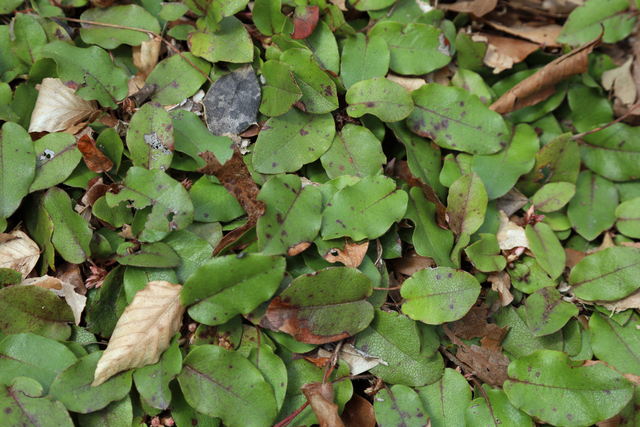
{"points": [[347, 275]]}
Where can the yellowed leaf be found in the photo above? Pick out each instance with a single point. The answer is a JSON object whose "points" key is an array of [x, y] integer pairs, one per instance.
{"points": [[76, 302], [20, 254], [58, 107], [340, 3], [621, 81], [143, 331], [510, 235]]}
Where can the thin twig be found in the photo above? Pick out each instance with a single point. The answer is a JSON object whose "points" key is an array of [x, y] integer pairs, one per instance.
{"points": [[622, 117], [290, 418]]}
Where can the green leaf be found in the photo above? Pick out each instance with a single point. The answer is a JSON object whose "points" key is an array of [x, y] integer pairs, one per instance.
{"points": [[324, 306], [498, 410], [544, 385], [399, 405], [363, 58], [28, 38], [218, 382], [410, 44], [371, 4], [152, 381], [132, 16], [57, 155], [71, 232], [174, 79], [547, 312], [33, 356], [293, 215], [592, 209], [116, 216], [120, 411], [241, 284], [323, 44], [192, 250], [613, 152], [546, 248], [21, 405], [103, 313], [500, 171], [291, 140], [380, 97], [628, 218], [393, 337], [457, 120], [17, 167], [212, 202], [428, 239], [586, 22], [355, 151], [616, 345], [171, 207], [73, 387], [272, 369], [364, 210], [607, 275], [438, 295], [553, 196], [10, 64], [528, 276], [267, 16], [466, 204], [280, 90], [150, 137], [191, 137], [446, 399], [91, 68], [485, 254], [520, 341], [155, 255], [231, 43], [319, 92]]}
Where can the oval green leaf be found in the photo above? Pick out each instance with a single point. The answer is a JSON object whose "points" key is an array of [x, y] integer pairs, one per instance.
{"points": [[355, 151], [57, 155], [446, 399], [547, 312], [592, 209], [628, 218], [397, 405], [380, 97], [363, 58], [546, 248], [110, 37], [615, 344], [155, 255], [439, 295], [71, 232], [174, 79], [467, 204], [17, 168], [150, 137], [280, 90], [553, 196]]}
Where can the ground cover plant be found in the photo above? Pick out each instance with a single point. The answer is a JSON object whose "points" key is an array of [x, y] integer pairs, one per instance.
{"points": [[233, 213]]}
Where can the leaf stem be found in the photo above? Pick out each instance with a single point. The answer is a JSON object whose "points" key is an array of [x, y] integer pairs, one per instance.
{"points": [[290, 418], [599, 128]]}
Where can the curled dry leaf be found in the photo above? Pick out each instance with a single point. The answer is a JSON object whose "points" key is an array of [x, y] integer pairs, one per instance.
{"points": [[58, 107], [320, 397], [95, 160], [144, 330], [20, 254], [503, 52], [409, 83], [237, 180], [357, 360], [351, 256], [621, 81], [305, 21], [510, 235], [64, 289], [501, 282], [523, 94], [478, 8], [358, 412], [546, 35]]}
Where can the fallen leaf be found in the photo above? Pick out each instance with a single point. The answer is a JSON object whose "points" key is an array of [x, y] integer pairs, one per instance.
{"points": [[501, 282], [630, 301], [572, 257], [412, 262], [320, 397], [144, 330], [20, 254], [510, 235], [145, 57], [546, 35], [474, 325], [340, 3], [58, 107], [490, 366], [352, 255], [511, 202], [95, 160], [236, 178], [304, 21], [479, 8], [357, 360], [409, 83], [574, 62], [76, 302], [358, 412], [621, 81], [231, 104], [503, 52], [298, 249]]}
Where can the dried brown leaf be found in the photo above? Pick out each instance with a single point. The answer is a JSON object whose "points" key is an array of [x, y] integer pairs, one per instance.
{"points": [[358, 412], [501, 282], [572, 257], [20, 254], [546, 35], [320, 397], [95, 160], [352, 255], [474, 325], [340, 3], [621, 81], [58, 107], [574, 62], [143, 331], [236, 178], [510, 235], [630, 301], [305, 21], [478, 8], [503, 52], [409, 83], [412, 262]]}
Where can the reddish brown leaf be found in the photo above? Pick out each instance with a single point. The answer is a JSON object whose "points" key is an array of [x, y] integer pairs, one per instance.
{"points": [[305, 21], [95, 160], [351, 256], [524, 93], [299, 248], [488, 365], [474, 325], [358, 412], [236, 178], [320, 397], [478, 8]]}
